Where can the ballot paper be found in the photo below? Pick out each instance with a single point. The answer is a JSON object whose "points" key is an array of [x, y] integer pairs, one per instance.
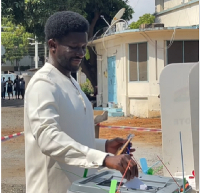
{"points": [[136, 183]]}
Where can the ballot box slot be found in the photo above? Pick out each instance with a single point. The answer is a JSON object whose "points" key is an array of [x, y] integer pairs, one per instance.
{"points": [[95, 178]]}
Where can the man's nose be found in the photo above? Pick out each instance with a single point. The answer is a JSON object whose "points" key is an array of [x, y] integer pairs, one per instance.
{"points": [[81, 53]]}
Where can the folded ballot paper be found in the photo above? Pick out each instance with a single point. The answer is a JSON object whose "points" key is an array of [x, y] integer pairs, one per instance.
{"points": [[135, 183]]}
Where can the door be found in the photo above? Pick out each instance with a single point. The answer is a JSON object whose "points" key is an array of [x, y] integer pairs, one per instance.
{"points": [[112, 82]]}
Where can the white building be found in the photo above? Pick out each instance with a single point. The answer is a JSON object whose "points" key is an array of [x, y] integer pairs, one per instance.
{"points": [[130, 61], [177, 12], [26, 61]]}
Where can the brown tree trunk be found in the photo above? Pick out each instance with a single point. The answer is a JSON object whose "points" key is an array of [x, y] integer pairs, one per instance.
{"points": [[88, 73], [89, 67], [93, 23]]}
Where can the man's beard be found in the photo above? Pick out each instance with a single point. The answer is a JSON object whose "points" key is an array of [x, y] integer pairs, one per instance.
{"points": [[75, 69], [67, 65]]}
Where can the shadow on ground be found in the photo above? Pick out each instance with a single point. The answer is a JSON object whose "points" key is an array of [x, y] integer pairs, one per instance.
{"points": [[12, 103]]}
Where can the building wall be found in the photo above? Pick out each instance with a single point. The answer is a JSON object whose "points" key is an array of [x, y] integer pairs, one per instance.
{"points": [[81, 77], [172, 3], [177, 14], [113, 48], [136, 98], [161, 5], [25, 61], [143, 96]]}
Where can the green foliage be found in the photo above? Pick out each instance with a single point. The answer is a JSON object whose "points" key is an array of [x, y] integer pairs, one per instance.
{"points": [[87, 87], [14, 39], [87, 55], [107, 8], [145, 19], [32, 14]]}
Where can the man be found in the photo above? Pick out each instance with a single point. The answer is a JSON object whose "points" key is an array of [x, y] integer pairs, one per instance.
{"points": [[17, 87], [9, 88], [4, 88], [22, 87], [59, 125]]}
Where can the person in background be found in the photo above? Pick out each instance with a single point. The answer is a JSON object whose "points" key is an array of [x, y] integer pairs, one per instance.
{"points": [[9, 87], [3, 88], [58, 118], [22, 87], [16, 87]]}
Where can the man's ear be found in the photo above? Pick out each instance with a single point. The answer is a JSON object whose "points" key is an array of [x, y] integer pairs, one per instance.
{"points": [[52, 45]]}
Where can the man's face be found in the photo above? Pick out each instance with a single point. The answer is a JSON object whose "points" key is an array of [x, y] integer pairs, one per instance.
{"points": [[70, 51]]}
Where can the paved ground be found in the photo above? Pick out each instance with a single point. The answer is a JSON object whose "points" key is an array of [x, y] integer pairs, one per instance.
{"points": [[12, 103], [147, 144]]}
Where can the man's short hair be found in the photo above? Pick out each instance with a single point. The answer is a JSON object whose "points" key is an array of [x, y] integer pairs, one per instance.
{"points": [[61, 23]]}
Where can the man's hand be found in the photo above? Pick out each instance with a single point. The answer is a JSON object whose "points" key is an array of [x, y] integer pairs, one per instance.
{"points": [[113, 145], [120, 162]]}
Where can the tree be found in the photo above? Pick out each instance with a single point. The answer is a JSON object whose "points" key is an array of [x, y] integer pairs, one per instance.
{"points": [[145, 19], [32, 14], [95, 8], [14, 39]]}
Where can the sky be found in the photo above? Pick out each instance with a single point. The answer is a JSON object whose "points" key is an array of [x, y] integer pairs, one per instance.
{"points": [[141, 7]]}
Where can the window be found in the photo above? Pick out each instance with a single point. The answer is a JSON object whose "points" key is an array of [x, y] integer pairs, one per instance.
{"points": [[183, 51], [138, 62], [159, 5]]}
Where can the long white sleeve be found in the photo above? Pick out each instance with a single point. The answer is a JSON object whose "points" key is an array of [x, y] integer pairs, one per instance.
{"points": [[44, 114], [59, 133]]}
